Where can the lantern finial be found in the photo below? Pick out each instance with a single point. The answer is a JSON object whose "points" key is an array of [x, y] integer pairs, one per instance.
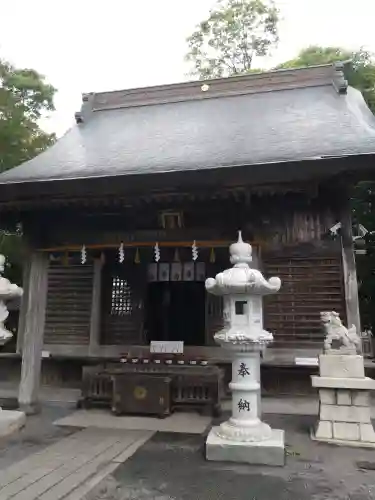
{"points": [[240, 252]]}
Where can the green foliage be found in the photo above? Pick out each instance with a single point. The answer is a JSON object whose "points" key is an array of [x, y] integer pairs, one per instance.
{"points": [[235, 31], [359, 70], [24, 98], [315, 55]]}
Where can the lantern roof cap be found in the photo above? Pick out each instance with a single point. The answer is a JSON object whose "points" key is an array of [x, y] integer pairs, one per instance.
{"points": [[241, 278]]}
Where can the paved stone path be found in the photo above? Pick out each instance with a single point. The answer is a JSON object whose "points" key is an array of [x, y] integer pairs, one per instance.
{"points": [[172, 467], [70, 468]]}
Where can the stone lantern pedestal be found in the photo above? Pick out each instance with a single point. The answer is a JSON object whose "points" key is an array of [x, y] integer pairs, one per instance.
{"points": [[10, 421], [244, 437]]}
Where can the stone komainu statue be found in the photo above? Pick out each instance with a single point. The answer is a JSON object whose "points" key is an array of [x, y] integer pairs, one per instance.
{"points": [[348, 340]]}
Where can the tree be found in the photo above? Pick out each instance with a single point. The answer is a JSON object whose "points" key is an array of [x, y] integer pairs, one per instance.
{"points": [[360, 74], [24, 99], [235, 31], [359, 70]]}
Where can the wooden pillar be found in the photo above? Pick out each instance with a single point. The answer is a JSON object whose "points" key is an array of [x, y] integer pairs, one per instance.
{"points": [[33, 333], [96, 307], [349, 268]]}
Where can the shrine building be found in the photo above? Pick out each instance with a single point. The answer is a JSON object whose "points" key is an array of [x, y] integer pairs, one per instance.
{"points": [[135, 206]]}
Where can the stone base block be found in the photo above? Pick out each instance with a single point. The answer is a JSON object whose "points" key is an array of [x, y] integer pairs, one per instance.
{"points": [[341, 366], [340, 413], [270, 452], [359, 384], [323, 430], [11, 421], [341, 442]]}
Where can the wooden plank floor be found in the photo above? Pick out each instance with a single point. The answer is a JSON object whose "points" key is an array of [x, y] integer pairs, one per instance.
{"points": [[66, 469]]}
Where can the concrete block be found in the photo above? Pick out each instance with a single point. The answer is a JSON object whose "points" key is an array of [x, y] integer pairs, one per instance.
{"points": [[11, 421], [343, 383], [327, 396], [341, 366], [270, 452], [344, 397], [323, 430], [336, 413], [367, 433], [346, 431], [361, 398]]}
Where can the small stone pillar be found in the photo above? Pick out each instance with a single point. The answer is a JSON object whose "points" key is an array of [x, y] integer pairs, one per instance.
{"points": [[244, 437], [344, 391]]}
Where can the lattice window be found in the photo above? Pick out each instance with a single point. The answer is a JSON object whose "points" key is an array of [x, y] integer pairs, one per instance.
{"points": [[309, 285], [121, 303]]}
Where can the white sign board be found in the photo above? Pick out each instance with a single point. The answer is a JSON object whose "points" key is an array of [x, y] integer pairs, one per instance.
{"points": [[306, 361], [166, 347]]}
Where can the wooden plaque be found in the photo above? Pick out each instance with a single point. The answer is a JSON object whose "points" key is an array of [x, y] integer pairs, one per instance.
{"points": [[152, 272], [188, 274], [176, 271], [167, 347], [200, 271], [164, 272]]}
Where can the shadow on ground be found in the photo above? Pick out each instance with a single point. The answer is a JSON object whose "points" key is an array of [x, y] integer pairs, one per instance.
{"points": [[172, 467]]}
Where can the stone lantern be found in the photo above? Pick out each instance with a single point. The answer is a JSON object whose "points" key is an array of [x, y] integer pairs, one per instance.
{"points": [[244, 437], [10, 420]]}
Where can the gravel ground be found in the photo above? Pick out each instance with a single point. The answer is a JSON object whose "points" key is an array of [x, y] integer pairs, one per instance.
{"points": [[172, 467], [38, 433]]}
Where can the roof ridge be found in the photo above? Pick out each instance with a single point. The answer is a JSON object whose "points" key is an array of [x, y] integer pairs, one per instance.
{"points": [[268, 81]]}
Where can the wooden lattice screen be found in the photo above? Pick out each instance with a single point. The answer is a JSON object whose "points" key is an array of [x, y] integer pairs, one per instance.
{"points": [[121, 300], [309, 286], [122, 305], [69, 302]]}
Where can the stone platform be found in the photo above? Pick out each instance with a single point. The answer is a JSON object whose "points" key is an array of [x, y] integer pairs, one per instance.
{"points": [[345, 403], [269, 452], [191, 423]]}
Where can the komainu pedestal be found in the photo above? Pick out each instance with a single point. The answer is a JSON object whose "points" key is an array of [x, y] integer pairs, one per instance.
{"points": [[344, 390], [244, 437]]}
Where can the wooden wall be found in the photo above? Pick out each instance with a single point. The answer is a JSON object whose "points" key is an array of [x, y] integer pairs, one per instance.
{"points": [[292, 231], [69, 298], [311, 283]]}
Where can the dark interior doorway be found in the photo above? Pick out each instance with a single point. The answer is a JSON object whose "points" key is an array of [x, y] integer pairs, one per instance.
{"points": [[176, 311]]}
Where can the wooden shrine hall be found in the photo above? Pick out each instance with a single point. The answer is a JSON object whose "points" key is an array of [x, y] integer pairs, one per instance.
{"points": [[135, 206]]}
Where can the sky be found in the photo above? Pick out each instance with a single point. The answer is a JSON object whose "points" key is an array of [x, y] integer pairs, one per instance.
{"points": [[92, 46]]}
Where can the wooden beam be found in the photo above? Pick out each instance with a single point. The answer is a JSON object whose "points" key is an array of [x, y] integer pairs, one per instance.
{"points": [[33, 334], [96, 307], [349, 268], [140, 244]]}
